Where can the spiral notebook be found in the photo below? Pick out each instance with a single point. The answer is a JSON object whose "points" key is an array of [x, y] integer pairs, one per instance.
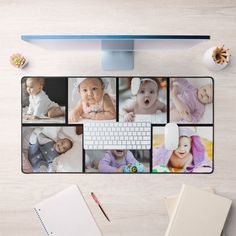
{"points": [[67, 213], [198, 212]]}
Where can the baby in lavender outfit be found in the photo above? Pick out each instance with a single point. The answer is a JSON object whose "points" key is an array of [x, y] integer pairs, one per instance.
{"points": [[115, 160], [187, 102]]}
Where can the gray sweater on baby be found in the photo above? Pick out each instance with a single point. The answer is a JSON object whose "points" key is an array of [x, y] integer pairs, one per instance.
{"points": [[41, 154]]}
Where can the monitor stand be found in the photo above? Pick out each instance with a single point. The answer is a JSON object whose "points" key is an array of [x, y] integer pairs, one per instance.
{"points": [[117, 54]]}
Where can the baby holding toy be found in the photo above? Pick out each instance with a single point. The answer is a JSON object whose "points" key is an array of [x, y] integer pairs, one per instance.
{"points": [[188, 103], [189, 155], [95, 103], [43, 155], [39, 102], [146, 101], [115, 161]]}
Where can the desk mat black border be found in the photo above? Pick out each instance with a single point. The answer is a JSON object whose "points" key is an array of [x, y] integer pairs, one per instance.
{"points": [[117, 119]]}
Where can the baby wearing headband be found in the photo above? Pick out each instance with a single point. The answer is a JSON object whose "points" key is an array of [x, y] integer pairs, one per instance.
{"points": [[94, 103], [146, 91]]}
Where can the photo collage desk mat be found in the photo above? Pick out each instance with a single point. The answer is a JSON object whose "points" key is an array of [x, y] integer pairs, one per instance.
{"points": [[55, 111]]}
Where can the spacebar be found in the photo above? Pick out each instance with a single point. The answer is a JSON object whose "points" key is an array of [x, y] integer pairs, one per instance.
{"points": [[117, 147]]}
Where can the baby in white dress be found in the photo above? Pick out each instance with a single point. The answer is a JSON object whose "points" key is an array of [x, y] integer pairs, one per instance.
{"points": [[39, 103]]}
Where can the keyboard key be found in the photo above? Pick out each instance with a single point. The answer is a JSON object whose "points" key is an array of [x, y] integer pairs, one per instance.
{"points": [[116, 147]]}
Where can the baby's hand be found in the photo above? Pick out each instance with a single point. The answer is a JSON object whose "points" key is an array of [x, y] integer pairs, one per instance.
{"points": [[129, 117], [73, 117], [29, 117], [174, 89], [171, 83], [118, 170], [90, 115]]}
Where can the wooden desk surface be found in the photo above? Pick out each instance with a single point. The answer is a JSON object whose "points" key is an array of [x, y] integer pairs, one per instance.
{"points": [[133, 202]]}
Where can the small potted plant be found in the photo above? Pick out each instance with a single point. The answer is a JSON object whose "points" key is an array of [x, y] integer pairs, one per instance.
{"points": [[18, 60], [217, 58]]}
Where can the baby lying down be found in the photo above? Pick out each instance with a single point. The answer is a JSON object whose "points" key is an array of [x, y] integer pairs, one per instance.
{"points": [[187, 102], [42, 156]]}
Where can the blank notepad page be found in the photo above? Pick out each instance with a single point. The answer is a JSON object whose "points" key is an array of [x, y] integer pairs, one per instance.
{"points": [[67, 213]]}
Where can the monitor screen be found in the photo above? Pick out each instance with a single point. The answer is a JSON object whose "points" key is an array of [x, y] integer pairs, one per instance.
{"points": [[117, 50]]}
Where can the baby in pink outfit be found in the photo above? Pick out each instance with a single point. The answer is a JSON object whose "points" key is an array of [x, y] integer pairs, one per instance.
{"points": [[187, 102]]}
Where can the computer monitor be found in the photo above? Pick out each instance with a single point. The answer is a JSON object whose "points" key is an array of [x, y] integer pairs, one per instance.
{"points": [[117, 50]]}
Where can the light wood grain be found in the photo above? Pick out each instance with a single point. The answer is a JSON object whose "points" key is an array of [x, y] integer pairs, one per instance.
{"points": [[134, 203]]}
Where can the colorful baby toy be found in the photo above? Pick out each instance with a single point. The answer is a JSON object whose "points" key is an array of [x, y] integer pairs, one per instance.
{"points": [[160, 168], [137, 167]]}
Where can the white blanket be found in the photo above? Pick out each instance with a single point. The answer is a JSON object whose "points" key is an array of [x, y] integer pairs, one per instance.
{"points": [[72, 160], [60, 119]]}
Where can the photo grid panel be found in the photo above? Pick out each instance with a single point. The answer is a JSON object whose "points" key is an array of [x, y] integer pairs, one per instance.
{"points": [[49, 144], [191, 107], [193, 154], [107, 143], [116, 124]]}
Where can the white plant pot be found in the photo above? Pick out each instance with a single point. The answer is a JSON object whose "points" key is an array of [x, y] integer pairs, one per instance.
{"points": [[210, 63]]}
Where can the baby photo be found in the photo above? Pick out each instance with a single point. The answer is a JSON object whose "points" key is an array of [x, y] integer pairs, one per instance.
{"points": [[194, 153], [52, 149], [117, 161], [143, 100], [91, 99], [43, 100], [191, 100]]}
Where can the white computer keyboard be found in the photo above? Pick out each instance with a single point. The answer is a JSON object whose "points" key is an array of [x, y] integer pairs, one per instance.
{"points": [[115, 135]]}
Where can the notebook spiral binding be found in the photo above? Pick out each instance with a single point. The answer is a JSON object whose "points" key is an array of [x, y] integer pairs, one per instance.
{"points": [[41, 221]]}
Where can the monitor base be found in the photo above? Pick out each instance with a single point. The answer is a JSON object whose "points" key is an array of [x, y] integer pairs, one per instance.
{"points": [[117, 54]]}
